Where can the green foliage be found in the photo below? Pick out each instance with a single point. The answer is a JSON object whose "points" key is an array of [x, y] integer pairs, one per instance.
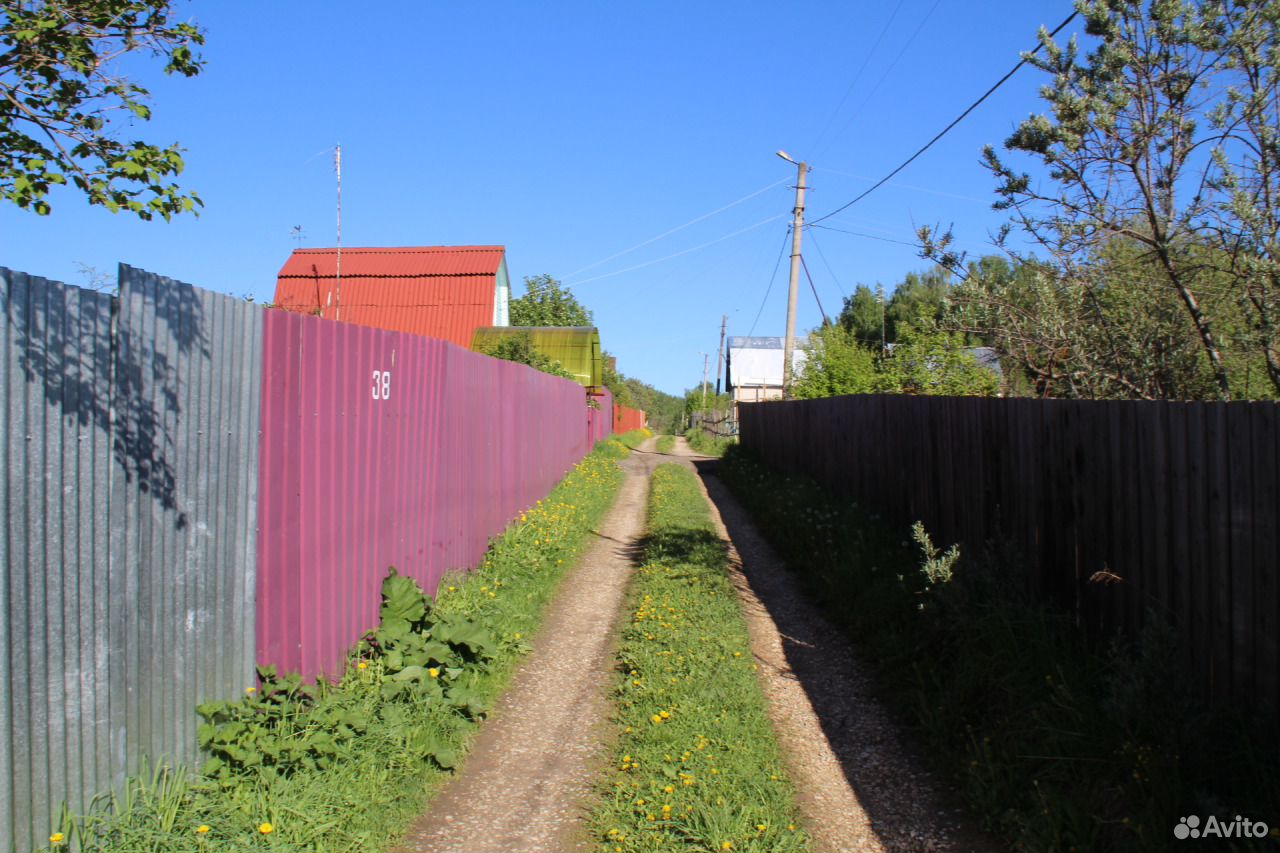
{"points": [[663, 410], [61, 89], [1054, 743], [548, 303], [703, 442], [347, 766], [520, 349], [1163, 136], [839, 363], [924, 360], [696, 765]]}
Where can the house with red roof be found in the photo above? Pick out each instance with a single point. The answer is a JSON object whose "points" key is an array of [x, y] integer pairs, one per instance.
{"points": [[438, 291]]}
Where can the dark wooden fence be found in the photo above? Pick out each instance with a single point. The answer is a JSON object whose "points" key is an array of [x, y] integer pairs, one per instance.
{"points": [[1115, 507]]}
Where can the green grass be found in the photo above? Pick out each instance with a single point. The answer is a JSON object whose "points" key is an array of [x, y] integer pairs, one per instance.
{"points": [[666, 444], [634, 438], [385, 773], [707, 444], [1055, 745], [696, 765]]}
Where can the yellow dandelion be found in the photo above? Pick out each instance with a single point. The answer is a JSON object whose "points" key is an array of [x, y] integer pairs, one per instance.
{"points": [[57, 838], [657, 720], [266, 828], [669, 788], [666, 715], [518, 635], [362, 665], [791, 826], [249, 691], [433, 672], [762, 827], [202, 828], [728, 845]]}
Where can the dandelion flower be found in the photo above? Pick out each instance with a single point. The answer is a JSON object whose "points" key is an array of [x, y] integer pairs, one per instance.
{"points": [[728, 845], [364, 664], [266, 828], [249, 691], [433, 672], [202, 828], [57, 838]]}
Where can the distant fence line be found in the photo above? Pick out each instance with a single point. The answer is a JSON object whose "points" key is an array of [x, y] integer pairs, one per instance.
{"points": [[138, 558], [1178, 503]]}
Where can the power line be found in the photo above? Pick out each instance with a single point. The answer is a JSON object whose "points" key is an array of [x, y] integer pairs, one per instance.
{"points": [[683, 251], [814, 239], [782, 251], [678, 228], [945, 130], [860, 234], [858, 76]]}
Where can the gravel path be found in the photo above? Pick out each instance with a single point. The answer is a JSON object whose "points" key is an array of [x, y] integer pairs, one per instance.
{"points": [[530, 771], [859, 786], [531, 767]]}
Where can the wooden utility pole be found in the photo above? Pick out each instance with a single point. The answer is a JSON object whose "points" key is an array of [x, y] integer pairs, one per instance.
{"points": [[705, 357], [724, 322], [797, 226]]}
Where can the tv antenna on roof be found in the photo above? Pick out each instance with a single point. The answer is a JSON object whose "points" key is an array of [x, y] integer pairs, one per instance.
{"points": [[297, 234], [337, 287]]}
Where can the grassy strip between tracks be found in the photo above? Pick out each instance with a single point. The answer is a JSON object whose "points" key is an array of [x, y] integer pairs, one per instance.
{"points": [[348, 766], [666, 444], [696, 765], [1055, 744]]}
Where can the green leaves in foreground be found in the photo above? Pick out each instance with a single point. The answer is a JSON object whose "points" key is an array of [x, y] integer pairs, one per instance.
{"points": [[61, 88]]}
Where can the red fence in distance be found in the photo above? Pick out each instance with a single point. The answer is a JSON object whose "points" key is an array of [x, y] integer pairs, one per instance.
{"points": [[384, 449], [625, 418]]}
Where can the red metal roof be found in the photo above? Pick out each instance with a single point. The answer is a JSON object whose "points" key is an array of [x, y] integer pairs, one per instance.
{"points": [[442, 292]]}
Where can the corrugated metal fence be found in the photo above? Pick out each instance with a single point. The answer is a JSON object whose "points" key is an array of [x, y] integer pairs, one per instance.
{"points": [[128, 505], [1178, 502], [599, 417], [388, 449], [625, 418], [141, 574]]}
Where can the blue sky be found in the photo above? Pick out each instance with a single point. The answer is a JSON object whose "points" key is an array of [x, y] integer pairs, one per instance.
{"points": [[570, 132]]}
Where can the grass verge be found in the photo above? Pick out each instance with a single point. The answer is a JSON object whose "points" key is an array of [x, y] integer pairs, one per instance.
{"points": [[707, 444], [696, 766], [635, 437], [665, 444], [1055, 745], [348, 766]]}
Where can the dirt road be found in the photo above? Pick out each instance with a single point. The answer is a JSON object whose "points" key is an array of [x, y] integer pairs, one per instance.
{"points": [[526, 783]]}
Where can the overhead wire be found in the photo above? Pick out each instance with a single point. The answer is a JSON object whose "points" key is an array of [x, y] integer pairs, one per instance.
{"points": [[773, 277], [858, 75], [945, 130], [668, 233], [813, 237], [682, 251]]}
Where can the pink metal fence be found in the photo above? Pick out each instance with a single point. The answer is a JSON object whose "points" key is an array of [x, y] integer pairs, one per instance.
{"points": [[600, 416], [386, 449]]}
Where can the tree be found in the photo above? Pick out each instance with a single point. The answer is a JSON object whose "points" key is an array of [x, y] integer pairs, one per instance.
{"points": [[837, 362], [547, 303], [863, 315], [63, 93], [1164, 135]]}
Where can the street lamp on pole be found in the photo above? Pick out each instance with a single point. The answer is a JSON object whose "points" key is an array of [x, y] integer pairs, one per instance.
{"points": [[797, 226]]}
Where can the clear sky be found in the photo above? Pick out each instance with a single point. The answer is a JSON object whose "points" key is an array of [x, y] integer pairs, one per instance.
{"points": [[570, 132]]}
